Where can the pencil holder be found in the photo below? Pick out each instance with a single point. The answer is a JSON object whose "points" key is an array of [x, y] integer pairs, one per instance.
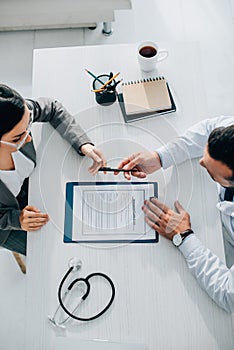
{"points": [[108, 96]]}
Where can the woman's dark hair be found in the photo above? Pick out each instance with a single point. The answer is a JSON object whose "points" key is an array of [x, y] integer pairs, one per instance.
{"points": [[12, 108], [221, 146]]}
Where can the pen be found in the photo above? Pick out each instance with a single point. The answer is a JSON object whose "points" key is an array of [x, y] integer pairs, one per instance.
{"points": [[94, 76], [110, 80], [115, 169]]}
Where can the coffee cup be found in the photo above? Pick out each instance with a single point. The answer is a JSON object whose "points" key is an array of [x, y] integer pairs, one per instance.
{"points": [[149, 55]]}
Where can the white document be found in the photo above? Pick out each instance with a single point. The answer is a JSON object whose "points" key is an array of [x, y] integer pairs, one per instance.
{"points": [[76, 344], [111, 212]]}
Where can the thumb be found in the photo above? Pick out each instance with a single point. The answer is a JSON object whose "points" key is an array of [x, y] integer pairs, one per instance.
{"points": [[132, 164], [32, 208], [179, 207], [93, 155]]}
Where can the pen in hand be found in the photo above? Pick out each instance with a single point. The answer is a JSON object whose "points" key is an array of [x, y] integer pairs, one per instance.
{"points": [[116, 169]]}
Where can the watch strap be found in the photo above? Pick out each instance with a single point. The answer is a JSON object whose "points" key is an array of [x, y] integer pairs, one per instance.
{"points": [[186, 233]]}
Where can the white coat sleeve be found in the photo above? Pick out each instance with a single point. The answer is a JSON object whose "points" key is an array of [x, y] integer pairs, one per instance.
{"points": [[211, 273], [192, 143]]}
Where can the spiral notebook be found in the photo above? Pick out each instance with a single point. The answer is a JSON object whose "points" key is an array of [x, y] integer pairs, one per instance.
{"points": [[145, 98]]}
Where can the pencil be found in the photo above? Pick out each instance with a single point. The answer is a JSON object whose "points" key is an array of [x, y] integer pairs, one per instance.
{"points": [[110, 80], [115, 169], [99, 90], [106, 88], [94, 76]]}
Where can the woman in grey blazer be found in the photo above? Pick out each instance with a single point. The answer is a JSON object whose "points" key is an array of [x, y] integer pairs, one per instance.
{"points": [[18, 158]]}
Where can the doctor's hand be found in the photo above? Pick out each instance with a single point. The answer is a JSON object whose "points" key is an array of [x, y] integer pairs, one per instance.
{"points": [[164, 220], [96, 155], [144, 162], [31, 219]]}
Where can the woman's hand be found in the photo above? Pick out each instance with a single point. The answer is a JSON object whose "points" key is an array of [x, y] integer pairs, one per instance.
{"points": [[31, 219], [96, 155], [144, 162]]}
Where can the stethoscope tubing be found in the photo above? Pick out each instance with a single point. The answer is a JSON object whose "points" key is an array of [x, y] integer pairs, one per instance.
{"points": [[86, 281]]}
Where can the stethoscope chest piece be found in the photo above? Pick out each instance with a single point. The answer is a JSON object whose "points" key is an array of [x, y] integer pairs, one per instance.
{"points": [[75, 263]]}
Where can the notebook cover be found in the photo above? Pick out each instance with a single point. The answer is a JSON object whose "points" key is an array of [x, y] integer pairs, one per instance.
{"points": [[146, 95], [139, 116]]}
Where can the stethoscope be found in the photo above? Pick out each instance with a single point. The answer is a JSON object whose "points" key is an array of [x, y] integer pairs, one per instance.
{"points": [[75, 265]]}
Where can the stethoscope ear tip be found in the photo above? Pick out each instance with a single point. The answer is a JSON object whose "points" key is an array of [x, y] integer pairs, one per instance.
{"points": [[75, 263]]}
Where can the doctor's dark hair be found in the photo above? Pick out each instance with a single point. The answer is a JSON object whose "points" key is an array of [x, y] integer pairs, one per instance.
{"points": [[12, 108], [221, 146]]}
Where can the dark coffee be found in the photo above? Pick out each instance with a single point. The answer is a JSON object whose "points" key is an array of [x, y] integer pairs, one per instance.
{"points": [[148, 51]]}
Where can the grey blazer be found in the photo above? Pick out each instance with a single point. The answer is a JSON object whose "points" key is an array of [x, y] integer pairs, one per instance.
{"points": [[44, 110]]}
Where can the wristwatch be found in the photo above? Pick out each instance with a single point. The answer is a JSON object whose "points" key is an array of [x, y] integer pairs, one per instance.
{"points": [[179, 237]]}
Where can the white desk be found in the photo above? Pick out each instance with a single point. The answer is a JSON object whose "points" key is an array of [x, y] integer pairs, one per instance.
{"points": [[157, 301]]}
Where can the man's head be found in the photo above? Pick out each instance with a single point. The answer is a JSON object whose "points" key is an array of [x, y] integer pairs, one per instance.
{"points": [[14, 118], [218, 156]]}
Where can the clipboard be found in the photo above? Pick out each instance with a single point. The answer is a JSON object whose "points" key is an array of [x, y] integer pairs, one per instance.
{"points": [[108, 212]]}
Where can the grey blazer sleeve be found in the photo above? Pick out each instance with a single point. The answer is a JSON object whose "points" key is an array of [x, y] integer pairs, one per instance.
{"points": [[48, 110], [9, 213], [9, 219]]}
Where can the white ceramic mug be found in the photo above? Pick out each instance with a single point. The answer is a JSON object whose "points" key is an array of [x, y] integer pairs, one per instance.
{"points": [[149, 55]]}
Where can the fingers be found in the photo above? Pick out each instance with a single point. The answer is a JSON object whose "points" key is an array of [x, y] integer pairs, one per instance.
{"points": [[159, 204], [154, 221], [31, 219], [135, 173], [152, 211], [152, 224], [179, 207], [121, 165], [125, 161], [127, 175], [131, 163], [38, 219], [164, 220], [157, 215], [32, 214], [98, 161], [97, 156], [35, 226], [32, 208], [139, 174]]}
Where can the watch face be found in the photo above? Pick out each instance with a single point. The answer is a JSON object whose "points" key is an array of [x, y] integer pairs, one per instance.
{"points": [[177, 240]]}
